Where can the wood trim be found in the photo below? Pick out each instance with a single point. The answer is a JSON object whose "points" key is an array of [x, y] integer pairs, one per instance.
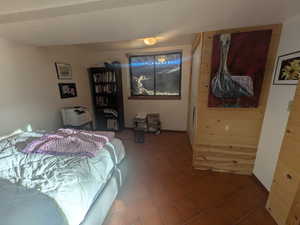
{"points": [[273, 27], [196, 42], [175, 131], [226, 146], [195, 45], [163, 130], [154, 97]]}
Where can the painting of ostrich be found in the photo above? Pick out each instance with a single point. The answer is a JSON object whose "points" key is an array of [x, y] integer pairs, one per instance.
{"points": [[238, 65]]}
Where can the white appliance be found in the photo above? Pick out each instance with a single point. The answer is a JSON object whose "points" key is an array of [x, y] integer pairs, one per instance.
{"points": [[75, 116]]}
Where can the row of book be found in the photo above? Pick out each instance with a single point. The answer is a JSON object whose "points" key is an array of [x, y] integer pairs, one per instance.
{"points": [[147, 122], [105, 77], [140, 122], [153, 122], [106, 89], [112, 124], [110, 112], [104, 100]]}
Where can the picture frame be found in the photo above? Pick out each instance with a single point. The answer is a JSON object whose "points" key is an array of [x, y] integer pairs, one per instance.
{"points": [[63, 70], [67, 90], [287, 69], [238, 65]]}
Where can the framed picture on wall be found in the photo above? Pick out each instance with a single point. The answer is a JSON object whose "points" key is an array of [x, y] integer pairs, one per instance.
{"points": [[63, 70], [67, 90], [287, 69], [238, 68]]}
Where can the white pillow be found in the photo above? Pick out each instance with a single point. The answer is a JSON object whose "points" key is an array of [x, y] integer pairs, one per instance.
{"points": [[11, 135]]}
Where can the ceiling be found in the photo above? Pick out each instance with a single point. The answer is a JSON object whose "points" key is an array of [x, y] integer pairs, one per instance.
{"points": [[23, 5], [66, 22], [139, 43]]}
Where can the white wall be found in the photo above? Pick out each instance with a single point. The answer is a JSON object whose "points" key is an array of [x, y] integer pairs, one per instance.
{"points": [[29, 92], [173, 113], [277, 113], [76, 57]]}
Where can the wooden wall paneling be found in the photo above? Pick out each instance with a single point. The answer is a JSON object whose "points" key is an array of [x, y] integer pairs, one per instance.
{"points": [[289, 153], [284, 189], [237, 159], [277, 208], [286, 183], [288, 179], [234, 129], [294, 214]]}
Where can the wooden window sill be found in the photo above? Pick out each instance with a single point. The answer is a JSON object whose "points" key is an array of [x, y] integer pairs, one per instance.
{"points": [[154, 97]]}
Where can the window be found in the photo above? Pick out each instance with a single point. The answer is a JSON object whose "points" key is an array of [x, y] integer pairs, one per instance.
{"points": [[156, 75]]}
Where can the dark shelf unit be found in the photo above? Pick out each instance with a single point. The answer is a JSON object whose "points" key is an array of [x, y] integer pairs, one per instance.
{"points": [[106, 91]]}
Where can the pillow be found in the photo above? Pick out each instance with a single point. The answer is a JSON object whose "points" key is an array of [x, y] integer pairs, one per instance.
{"points": [[5, 141], [10, 157], [11, 135]]}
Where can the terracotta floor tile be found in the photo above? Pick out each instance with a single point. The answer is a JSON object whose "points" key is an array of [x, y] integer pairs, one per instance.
{"points": [[259, 217], [163, 189]]}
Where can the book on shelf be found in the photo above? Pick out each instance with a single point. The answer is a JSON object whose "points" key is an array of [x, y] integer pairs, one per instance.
{"points": [[104, 77], [109, 111], [112, 124], [106, 89]]}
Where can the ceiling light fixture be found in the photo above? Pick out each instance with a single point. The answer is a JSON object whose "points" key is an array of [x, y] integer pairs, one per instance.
{"points": [[150, 41], [162, 59]]}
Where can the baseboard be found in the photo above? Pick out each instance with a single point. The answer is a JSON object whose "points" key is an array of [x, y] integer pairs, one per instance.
{"points": [[259, 183], [163, 130], [177, 131], [127, 128]]}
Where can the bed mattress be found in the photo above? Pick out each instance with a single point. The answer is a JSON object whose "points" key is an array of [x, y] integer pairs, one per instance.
{"points": [[20, 205], [73, 182]]}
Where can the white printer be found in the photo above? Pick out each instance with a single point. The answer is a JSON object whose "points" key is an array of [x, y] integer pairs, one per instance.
{"points": [[75, 116]]}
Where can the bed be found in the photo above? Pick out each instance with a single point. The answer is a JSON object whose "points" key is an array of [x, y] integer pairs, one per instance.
{"points": [[62, 190]]}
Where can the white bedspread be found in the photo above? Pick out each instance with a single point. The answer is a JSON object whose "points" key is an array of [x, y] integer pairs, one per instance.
{"points": [[72, 182]]}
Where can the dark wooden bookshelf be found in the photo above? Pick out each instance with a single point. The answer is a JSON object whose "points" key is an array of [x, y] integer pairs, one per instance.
{"points": [[107, 94]]}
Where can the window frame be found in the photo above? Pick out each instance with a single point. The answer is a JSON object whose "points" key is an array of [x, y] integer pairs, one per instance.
{"points": [[155, 97]]}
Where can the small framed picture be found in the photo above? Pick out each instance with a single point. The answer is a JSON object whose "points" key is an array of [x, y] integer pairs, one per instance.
{"points": [[64, 71], [67, 90], [287, 69]]}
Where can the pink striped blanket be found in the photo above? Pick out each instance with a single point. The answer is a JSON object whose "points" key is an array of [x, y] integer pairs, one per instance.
{"points": [[70, 142]]}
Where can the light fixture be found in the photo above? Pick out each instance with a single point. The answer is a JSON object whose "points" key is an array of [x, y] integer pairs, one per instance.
{"points": [[150, 41], [162, 59]]}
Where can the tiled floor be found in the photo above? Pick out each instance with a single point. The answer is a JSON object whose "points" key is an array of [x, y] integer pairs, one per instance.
{"points": [[163, 189]]}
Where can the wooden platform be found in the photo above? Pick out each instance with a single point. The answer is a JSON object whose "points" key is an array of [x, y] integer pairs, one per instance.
{"points": [[226, 139], [164, 189], [233, 159]]}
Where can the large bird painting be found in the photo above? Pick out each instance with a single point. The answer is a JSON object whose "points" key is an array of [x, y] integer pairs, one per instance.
{"points": [[238, 66]]}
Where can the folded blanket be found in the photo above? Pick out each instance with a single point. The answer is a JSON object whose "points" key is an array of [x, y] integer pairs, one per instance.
{"points": [[70, 142]]}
